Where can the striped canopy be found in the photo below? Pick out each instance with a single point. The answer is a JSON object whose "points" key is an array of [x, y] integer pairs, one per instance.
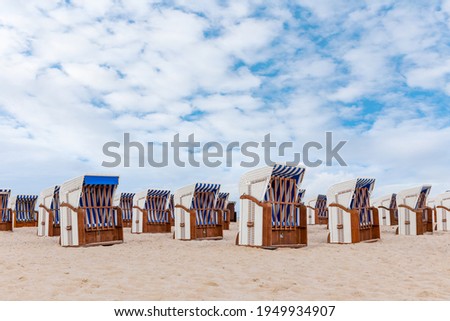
{"points": [[5, 213], [321, 205], [204, 201], [25, 207], [156, 205], [97, 199], [126, 204], [222, 200], [288, 171], [361, 199]]}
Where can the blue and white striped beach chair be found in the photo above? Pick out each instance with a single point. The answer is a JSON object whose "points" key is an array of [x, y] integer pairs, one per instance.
{"points": [[387, 209], [317, 210], [125, 202], [351, 218], [222, 204], [24, 210], [151, 213], [196, 214], [5, 211], [270, 214], [48, 217], [88, 215], [414, 216]]}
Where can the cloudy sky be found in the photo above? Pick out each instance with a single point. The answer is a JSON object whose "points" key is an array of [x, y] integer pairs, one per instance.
{"points": [[76, 74]]}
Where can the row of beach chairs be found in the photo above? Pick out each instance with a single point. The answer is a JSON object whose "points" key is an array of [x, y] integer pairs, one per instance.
{"points": [[89, 211]]}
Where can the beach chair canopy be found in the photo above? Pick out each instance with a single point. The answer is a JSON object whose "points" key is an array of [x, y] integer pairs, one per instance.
{"points": [[24, 206], [94, 194], [222, 201], [301, 193], [414, 197], [157, 205], [125, 202], [279, 185], [354, 194], [5, 213], [321, 206], [202, 198]]}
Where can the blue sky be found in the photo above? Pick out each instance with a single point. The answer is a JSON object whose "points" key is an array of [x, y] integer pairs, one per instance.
{"points": [[77, 74]]}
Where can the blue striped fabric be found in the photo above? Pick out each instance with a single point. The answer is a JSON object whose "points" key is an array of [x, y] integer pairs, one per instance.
{"points": [[25, 207], [287, 171], [156, 205], [422, 201], [172, 206], [55, 205], [321, 205], [361, 199], [126, 204], [221, 203], [204, 201], [4, 211], [97, 200], [300, 195], [393, 205], [282, 191]]}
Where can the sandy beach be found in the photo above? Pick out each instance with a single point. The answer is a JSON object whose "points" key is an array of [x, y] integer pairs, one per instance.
{"points": [[156, 267]]}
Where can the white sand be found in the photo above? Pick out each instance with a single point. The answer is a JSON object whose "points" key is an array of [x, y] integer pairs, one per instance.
{"points": [[156, 267]]}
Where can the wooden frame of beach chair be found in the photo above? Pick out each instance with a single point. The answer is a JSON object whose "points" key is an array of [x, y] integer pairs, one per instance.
{"points": [[23, 209], [5, 211], [414, 216], [317, 210], [387, 209], [351, 218], [270, 216], [125, 202], [88, 215], [49, 212], [222, 204], [231, 207], [442, 211], [151, 213], [196, 214]]}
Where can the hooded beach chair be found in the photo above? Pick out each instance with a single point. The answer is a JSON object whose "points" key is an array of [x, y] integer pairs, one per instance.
{"points": [[222, 204], [414, 216], [351, 219], [88, 215], [387, 209], [151, 213], [441, 205], [317, 211], [270, 215], [5, 211], [49, 212], [196, 214], [23, 209], [125, 202]]}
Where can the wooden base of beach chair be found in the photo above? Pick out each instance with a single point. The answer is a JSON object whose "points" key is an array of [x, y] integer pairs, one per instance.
{"points": [[226, 225], [156, 228], [322, 220], [92, 238], [127, 223], [6, 226], [25, 224], [54, 231], [208, 232]]}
